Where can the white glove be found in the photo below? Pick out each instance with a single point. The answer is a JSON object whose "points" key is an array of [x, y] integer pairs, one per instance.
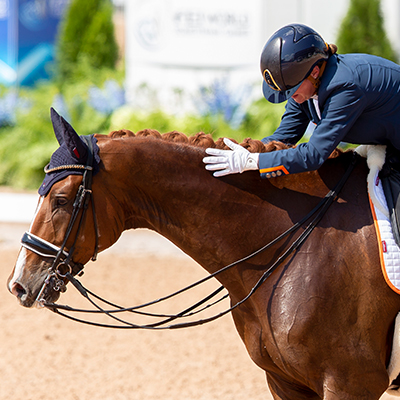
{"points": [[230, 162]]}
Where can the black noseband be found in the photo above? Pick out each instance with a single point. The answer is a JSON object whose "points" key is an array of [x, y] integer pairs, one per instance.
{"points": [[48, 250]]}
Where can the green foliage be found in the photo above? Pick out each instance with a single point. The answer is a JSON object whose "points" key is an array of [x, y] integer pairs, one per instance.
{"points": [[26, 147], [261, 120], [362, 30], [86, 92], [86, 38]]}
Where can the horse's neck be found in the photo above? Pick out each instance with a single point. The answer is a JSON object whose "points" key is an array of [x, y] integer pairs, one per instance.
{"points": [[164, 183], [165, 187]]}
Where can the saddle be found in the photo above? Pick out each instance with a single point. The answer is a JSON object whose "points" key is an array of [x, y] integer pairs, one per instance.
{"points": [[390, 177]]}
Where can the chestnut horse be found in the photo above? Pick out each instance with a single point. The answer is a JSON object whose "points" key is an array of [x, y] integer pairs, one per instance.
{"points": [[321, 325]]}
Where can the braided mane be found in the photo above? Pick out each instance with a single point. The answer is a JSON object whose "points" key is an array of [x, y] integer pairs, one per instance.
{"points": [[201, 139], [205, 140]]}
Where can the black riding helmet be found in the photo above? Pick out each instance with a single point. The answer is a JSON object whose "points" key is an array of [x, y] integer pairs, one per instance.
{"points": [[288, 58]]}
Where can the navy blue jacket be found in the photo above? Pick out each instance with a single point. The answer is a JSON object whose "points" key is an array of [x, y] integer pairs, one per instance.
{"points": [[359, 102]]}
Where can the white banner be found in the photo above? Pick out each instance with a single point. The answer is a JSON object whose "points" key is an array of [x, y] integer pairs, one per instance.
{"points": [[191, 33]]}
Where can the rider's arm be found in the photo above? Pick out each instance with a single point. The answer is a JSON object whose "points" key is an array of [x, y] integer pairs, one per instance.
{"points": [[293, 125], [339, 113]]}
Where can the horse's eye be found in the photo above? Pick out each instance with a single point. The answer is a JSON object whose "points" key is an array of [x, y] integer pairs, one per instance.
{"points": [[61, 201]]}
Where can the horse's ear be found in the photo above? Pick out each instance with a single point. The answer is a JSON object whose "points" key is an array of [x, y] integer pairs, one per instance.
{"points": [[73, 142], [65, 133], [57, 125]]}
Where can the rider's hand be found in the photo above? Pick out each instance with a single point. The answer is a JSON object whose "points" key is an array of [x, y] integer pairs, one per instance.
{"points": [[233, 161]]}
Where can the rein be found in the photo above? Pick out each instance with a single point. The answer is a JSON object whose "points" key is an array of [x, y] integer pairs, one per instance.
{"points": [[314, 215]]}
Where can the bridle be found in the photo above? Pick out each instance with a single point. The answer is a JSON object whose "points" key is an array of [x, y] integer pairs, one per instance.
{"points": [[63, 265], [63, 260]]}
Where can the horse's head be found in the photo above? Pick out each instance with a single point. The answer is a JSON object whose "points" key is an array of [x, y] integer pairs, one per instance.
{"points": [[51, 248]]}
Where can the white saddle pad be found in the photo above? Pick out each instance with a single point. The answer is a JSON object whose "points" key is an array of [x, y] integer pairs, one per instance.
{"points": [[388, 250]]}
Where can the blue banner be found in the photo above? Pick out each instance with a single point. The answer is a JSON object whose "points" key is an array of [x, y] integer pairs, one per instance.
{"points": [[28, 30], [8, 42]]}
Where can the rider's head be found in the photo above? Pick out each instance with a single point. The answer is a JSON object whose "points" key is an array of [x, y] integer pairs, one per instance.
{"points": [[288, 58]]}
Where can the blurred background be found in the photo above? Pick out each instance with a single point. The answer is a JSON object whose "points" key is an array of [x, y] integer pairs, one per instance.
{"points": [[163, 64], [184, 65]]}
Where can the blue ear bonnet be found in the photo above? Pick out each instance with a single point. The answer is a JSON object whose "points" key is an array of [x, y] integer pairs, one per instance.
{"points": [[73, 151]]}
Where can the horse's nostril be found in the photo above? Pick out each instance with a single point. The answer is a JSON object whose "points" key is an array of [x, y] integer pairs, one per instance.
{"points": [[18, 290]]}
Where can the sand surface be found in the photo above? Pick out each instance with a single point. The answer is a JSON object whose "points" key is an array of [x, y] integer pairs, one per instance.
{"points": [[46, 357]]}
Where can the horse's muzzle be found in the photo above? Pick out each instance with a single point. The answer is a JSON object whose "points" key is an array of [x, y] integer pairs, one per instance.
{"points": [[49, 291], [18, 291], [22, 294]]}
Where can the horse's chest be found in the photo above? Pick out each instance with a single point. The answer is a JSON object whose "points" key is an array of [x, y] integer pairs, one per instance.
{"points": [[258, 341]]}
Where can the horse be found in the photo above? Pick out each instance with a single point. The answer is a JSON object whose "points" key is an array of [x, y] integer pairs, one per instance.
{"points": [[321, 326]]}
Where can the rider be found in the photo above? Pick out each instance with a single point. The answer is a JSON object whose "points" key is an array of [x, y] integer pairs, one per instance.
{"points": [[354, 98]]}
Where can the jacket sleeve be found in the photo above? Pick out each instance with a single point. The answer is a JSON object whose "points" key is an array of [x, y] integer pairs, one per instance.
{"points": [[339, 113], [293, 125]]}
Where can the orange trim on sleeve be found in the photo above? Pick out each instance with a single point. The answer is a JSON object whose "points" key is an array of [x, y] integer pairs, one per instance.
{"points": [[381, 249], [273, 169]]}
